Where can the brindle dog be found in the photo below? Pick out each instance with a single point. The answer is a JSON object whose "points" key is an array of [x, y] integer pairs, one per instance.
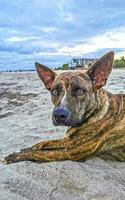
{"points": [[95, 117]]}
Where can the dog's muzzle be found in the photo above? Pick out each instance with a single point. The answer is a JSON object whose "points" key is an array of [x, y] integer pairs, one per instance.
{"points": [[60, 116]]}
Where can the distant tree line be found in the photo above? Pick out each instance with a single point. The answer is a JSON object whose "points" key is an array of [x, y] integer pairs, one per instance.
{"points": [[64, 67], [119, 63]]}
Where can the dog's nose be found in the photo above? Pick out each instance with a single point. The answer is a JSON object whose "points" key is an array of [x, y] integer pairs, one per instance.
{"points": [[60, 114]]}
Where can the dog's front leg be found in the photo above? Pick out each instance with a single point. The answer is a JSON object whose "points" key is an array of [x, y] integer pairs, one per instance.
{"points": [[45, 151], [38, 156]]}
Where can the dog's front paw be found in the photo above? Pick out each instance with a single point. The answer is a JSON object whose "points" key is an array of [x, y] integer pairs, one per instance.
{"points": [[11, 158]]}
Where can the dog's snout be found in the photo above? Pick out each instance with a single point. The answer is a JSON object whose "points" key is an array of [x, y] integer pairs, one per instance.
{"points": [[60, 114]]}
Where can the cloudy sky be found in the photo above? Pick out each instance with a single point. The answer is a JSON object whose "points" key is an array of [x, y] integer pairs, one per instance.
{"points": [[54, 31]]}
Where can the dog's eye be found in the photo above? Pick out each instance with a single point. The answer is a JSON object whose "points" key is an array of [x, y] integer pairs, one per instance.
{"points": [[54, 92], [79, 92]]}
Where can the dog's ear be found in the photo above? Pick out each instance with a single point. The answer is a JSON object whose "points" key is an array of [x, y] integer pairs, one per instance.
{"points": [[101, 69], [46, 75]]}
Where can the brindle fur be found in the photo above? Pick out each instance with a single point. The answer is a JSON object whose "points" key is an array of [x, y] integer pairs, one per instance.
{"points": [[102, 131]]}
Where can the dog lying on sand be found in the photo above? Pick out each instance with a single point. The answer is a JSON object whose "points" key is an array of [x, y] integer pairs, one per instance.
{"points": [[95, 117]]}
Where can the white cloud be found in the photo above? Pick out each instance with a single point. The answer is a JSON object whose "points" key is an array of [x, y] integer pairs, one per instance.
{"points": [[46, 44], [47, 29], [15, 39], [114, 39]]}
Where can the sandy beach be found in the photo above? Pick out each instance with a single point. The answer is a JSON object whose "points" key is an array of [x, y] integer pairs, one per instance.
{"points": [[25, 119]]}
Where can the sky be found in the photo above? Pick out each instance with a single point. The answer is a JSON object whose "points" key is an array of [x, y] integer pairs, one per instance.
{"points": [[52, 32]]}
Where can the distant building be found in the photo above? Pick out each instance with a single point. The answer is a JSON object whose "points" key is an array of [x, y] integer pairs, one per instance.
{"points": [[79, 67], [81, 63]]}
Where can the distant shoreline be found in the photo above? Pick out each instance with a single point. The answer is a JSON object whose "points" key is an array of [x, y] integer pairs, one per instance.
{"points": [[32, 70], [20, 71]]}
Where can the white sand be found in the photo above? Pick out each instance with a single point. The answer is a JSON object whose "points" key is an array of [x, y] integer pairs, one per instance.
{"points": [[25, 119]]}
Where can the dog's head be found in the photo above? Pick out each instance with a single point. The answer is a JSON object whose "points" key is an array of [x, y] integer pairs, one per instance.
{"points": [[74, 92]]}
